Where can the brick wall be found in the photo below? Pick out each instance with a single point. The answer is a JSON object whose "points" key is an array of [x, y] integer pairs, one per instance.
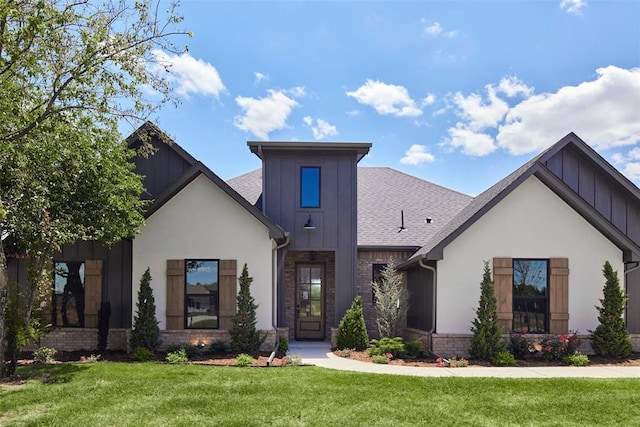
{"points": [[366, 259], [325, 258]]}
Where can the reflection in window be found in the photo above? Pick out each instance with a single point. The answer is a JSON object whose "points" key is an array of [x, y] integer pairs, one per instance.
{"points": [[530, 295], [310, 289], [68, 294], [202, 294], [310, 187]]}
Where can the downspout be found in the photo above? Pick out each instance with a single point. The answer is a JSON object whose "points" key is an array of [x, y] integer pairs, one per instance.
{"points": [[433, 313], [274, 294]]}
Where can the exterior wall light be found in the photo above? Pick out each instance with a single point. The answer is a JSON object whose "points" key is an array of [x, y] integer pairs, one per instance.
{"points": [[310, 224]]}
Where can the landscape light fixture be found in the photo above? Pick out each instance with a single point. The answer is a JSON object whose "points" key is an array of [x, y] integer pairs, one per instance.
{"points": [[309, 225]]}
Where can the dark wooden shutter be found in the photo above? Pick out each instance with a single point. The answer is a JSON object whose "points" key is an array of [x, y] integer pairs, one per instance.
{"points": [[175, 294], [92, 292], [228, 276], [559, 296], [503, 289]]}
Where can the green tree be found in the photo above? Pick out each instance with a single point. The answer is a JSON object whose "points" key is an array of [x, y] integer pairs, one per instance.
{"points": [[145, 332], [70, 71], [487, 334], [352, 330], [610, 338], [244, 335], [391, 301]]}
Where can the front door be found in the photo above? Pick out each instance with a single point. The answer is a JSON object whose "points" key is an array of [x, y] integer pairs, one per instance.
{"points": [[310, 302]]}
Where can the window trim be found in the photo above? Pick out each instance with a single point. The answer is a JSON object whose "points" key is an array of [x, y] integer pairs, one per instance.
{"points": [[186, 294], [302, 188], [54, 295]]}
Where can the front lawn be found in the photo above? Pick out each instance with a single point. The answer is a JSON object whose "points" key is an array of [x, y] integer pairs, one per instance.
{"points": [[129, 394]]}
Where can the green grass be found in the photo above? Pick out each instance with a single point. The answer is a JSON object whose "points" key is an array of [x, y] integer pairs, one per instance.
{"points": [[128, 394]]}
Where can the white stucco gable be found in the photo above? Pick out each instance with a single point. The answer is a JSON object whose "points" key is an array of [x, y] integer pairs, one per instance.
{"points": [[530, 222], [203, 222]]}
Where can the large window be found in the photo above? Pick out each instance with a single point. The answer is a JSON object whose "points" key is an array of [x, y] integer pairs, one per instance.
{"points": [[530, 295], [310, 187], [68, 294], [201, 294]]}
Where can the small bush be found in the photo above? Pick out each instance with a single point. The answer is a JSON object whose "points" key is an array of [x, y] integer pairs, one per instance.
{"points": [[504, 358], [395, 346], [142, 354], [576, 359], [293, 360], [244, 360], [190, 349], [283, 346], [520, 346], [454, 362], [352, 331], [218, 347], [45, 355], [380, 358], [93, 358], [178, 357], [345, 352], [413, 349]]}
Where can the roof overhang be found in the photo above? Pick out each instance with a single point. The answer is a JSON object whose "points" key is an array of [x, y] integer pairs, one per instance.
{"points": [[262, 148]]}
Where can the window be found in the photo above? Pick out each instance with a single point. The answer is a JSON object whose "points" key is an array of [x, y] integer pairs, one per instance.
{"points": [[201, 294], [376, 276], [310, 187], [68, 294], [530, 295]]}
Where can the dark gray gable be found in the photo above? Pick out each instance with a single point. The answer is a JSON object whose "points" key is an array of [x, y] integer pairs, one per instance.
{"points": [[567, 167]]}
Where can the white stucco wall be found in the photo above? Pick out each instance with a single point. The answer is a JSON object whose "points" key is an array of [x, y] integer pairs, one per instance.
{"points": [[531, 222], [202, 221]]}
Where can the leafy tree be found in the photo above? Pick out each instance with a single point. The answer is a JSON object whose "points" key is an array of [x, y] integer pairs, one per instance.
{"points": [[610, 338], [352, 330], [69, 72], [244, 335], [487, 341], [391, 301], [145, 332]]}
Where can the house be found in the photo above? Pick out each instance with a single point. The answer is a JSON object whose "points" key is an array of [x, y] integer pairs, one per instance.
{"points": [[315, 229]]}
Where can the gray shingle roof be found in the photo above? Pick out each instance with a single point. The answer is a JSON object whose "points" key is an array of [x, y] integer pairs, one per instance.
{"points": [[382, 194]]}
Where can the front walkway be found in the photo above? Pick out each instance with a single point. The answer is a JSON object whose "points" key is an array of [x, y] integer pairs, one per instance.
{"points": [[319, 354]]}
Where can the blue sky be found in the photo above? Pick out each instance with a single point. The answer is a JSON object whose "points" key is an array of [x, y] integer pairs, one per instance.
{"points": [[459, 93]]}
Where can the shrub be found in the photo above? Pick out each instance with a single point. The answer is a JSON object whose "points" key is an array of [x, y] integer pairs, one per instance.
{"points": [[555, 347], [344, 352], [391, 301], [413, 349], [283, 346], [93, 358], [145, 332], [487, 334], [45, 355], [142, 354], [395, 346], [610, 338], [243, 360], [380, 358], [520, 346], [576, 359], [504, 358], [293, 360], [218, 347], [352, 331], [189, 349], [244, 335], [454, 362], [177, 357], [104, 314]]}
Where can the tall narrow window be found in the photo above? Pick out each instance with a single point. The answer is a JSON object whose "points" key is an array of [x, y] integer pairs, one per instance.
{"points": [[310, 187], [68, 294], [376, 276], [201, 294], [530, 295]]}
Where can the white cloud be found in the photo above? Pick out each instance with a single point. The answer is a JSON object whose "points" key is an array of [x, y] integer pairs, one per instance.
{"points": [[264, 115], [472, 143], [630, 163], [513, 86], [386, 99], [190, 75], [573, 6], [260, 77], [435, 30], [479, 113], [603, 112], [322, 129], [417, 155], [353, 113], [430, 99]]}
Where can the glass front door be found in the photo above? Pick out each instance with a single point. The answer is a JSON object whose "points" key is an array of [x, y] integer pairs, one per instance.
{"points": [[310, 302]]}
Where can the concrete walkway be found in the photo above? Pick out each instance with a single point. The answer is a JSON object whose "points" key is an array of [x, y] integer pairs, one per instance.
{"points": [[319, 354]]}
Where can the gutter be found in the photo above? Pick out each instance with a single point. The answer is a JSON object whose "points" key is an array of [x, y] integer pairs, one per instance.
{"points": [[433, 314], [274, 294]]}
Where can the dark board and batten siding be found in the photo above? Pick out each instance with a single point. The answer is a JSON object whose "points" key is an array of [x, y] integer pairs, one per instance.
{"points": [[598, 190]]}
